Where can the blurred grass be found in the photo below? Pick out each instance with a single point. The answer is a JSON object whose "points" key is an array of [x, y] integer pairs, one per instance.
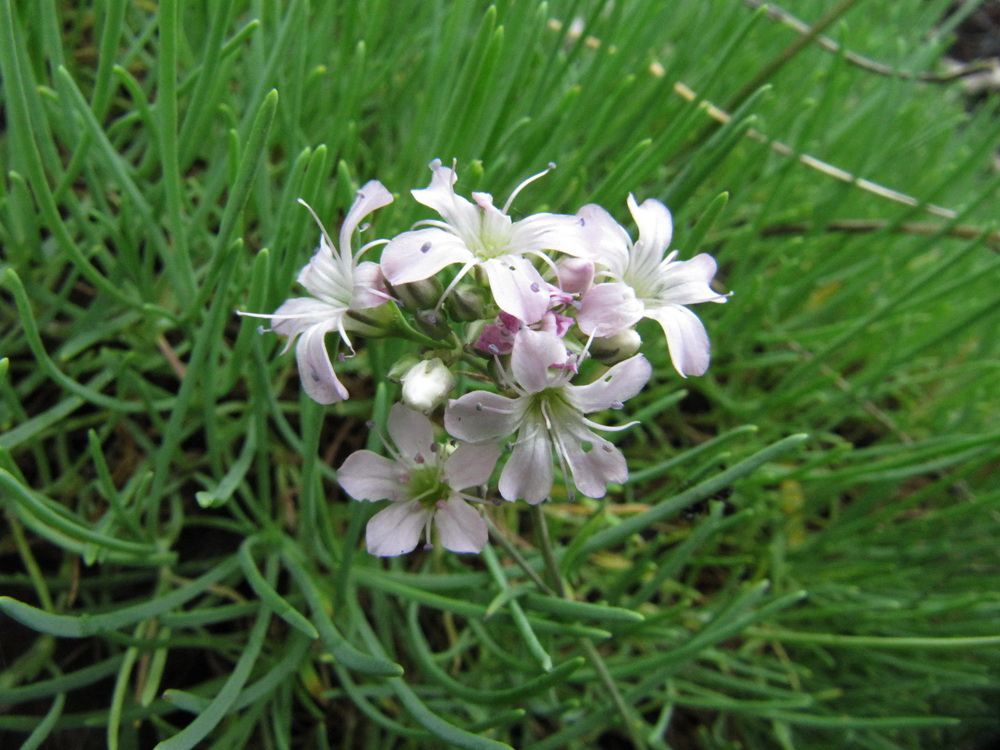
{"points": [[168, 488]]}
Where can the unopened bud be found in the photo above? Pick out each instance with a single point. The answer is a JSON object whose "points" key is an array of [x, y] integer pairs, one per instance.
{"points": [[427, 384], [372, 322], [468, 303], [613, 349], [402, 366], [433, 323], [419, 295]]}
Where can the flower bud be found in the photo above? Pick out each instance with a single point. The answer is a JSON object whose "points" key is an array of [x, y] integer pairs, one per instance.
{"points": [[427, 384], [419, 295], [433, 323], [372, 322], [610, 350], [402, 366], [468, 303]]}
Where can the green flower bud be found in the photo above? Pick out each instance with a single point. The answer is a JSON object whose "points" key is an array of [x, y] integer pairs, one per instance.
{"points": [[419, 295], [372, 322], [467, 303], [433, 323]]}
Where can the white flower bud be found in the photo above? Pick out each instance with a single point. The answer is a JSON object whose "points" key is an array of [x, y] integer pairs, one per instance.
{"points": [[610, 350], [427, 384]]}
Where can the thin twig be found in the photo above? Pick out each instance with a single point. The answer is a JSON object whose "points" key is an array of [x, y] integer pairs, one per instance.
{"points": [[864, 226], [866, 63]]}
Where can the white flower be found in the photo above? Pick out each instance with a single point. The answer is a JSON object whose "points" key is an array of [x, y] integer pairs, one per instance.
{"points": [[477, 234], [338, 284], [548, 413], [427, 384], [645, 284], [424, 486]]}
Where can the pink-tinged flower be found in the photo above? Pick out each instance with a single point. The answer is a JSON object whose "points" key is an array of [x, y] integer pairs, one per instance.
{"points": [[425, 482], [477, 234], [548, 414], [642, 283], [338, 284]]}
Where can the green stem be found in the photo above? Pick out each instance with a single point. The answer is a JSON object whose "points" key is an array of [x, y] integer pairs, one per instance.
{"points": [[592, 654]]}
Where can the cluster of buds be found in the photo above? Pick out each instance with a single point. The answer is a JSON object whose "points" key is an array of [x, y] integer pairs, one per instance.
{"points": [[518, 305]]}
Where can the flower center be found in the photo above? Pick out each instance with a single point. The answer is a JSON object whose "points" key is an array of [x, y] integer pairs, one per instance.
{"points": [[427, 487]]}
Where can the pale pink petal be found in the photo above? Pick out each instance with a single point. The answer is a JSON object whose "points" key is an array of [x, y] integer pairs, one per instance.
{"points": [[368, 476], [440, 195], [369, 286], [687, 282], [327, 276], [412, 433], [603, 240], [576, 275], [534, 354], [460, 527], [371, 196], [613, 388], [593, 461], [528, 473], [545, 231], [656, 228], [608, 308], [315, 369], [299, 314], [517, 287], [480, 416], [396, 530], [417, 255], [687, 338], [471, 465]]}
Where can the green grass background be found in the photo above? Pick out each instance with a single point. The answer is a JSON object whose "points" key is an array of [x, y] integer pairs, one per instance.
{"points": [[805, 555]]}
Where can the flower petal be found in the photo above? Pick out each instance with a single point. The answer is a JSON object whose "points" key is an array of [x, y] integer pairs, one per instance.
{"points": [[545, 231], [460, 526], [534, 354], [687, 282], [480, 416], [656, 229], [687, 338], [368, 476], [517, 287], [528, 473], [315, 369], [440, 195], [471, 465], [299, 314], [371, 196], [608, 308], [412, 433], [417, 255], [593, 461], [327, 276], [396, 530], [602, 239], [369, 286], [614, 387]]}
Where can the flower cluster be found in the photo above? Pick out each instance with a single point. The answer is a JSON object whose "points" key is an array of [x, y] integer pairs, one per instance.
{"points": [[518, 305]]}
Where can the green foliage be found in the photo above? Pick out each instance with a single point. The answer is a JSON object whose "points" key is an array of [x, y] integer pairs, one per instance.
{"points": [[803, 556]]}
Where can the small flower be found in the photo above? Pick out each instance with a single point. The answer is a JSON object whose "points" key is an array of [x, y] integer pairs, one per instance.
{"points": [[477, 234], [427, 384], [645, 284], [548, 414], [425, 486], [339, 284]]}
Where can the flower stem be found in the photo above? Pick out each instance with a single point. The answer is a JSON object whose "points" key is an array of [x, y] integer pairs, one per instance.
{"points": [[589, 650]]}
